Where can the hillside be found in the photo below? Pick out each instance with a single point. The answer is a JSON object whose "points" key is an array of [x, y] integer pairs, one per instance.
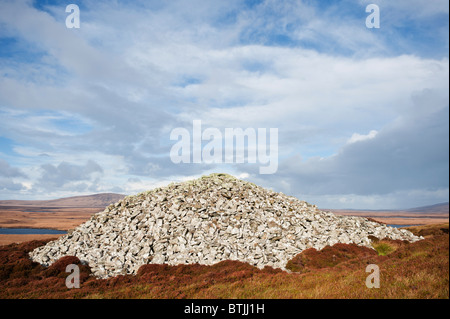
{"points": [[409, 270], [431, 209]]}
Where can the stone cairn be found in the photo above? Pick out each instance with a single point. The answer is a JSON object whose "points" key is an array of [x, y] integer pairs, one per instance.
{"points": [[213, 218]]}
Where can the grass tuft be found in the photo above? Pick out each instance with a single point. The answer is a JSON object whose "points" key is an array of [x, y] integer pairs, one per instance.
{"points": [[383, 249]]}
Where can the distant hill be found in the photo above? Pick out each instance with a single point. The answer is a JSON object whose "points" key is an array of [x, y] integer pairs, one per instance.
{"points": [[441, 208], [94, 201], [437, 208]]}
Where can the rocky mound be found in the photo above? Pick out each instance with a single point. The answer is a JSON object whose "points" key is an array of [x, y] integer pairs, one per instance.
{"points": [[207, 220]]}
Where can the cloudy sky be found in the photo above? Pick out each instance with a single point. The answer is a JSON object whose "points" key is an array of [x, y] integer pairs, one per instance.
{"points": [[362, 114]]}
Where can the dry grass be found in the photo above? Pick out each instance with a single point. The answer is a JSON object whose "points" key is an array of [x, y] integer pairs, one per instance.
{"points": [[417, 270], [53, 218], [433, 215], [6, 239], [429, 230], [411, 220]]}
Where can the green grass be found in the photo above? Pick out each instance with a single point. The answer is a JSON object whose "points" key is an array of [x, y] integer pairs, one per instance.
{"points": [[383, 249]]}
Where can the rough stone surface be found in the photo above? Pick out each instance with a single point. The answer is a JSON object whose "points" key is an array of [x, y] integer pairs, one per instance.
{"points": [[214, 218]]}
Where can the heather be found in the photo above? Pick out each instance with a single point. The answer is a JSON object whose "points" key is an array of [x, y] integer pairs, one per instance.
{"points": [[409, 270]]}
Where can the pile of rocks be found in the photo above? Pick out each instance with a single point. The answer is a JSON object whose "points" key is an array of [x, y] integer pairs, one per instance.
{"points": [[214, 218]]}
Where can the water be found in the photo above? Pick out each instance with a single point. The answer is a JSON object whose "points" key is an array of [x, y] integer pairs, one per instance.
{"points": [[30, 231]]}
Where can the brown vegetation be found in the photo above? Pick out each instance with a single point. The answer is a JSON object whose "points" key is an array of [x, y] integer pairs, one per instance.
{"points": [[38, 217], [312, 259], [62, 214], [411, 220], [402, 217], [416, 270], [430, 230], [6, 239]]}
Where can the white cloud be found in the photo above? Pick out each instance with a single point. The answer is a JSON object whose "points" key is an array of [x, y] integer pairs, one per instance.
{"points": [[356, 137], [111, 94], [243, 175], [417, 9], [403, 199]]}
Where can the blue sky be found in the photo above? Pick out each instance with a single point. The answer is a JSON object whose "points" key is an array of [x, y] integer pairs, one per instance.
{"points": [[362, 114]]}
